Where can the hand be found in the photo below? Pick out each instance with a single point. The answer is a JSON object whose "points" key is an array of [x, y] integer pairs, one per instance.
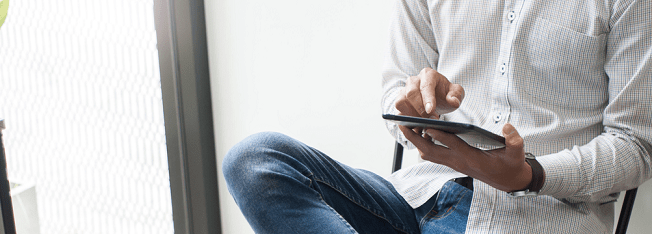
{"points": [[504, 169], [429, 95]]}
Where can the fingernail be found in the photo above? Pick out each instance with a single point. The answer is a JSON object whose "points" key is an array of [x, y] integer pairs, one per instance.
{"points": [[428, 107], [511, 130], [456, 100]]}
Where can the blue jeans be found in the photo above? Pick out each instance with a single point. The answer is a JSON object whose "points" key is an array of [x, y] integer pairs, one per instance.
{"points": [[284, 186]]}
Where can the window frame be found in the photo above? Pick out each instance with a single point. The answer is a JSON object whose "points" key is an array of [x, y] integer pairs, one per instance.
{"points": [[187, 107]]}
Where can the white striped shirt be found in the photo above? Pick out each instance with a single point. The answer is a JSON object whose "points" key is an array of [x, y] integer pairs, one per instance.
{"points": [[573, 77]]}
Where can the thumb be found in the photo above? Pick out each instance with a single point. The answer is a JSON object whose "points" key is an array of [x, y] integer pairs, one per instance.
{"points": [[455, 95], [513, 141]]}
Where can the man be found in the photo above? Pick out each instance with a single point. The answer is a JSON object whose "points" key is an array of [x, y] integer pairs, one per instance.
{"points": [[568, 82]]}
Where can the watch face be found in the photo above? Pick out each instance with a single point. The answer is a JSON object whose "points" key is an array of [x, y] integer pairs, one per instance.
{"points": [[530, 156], [4, 7]]}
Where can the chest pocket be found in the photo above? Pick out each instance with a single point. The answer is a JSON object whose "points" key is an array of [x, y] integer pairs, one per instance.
{"points": [[558, 66]]}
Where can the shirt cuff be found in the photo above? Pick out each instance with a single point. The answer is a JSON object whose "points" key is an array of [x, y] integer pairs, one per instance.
{"points": [[561, 174]]}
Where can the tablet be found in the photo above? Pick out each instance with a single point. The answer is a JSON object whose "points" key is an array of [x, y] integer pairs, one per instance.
{"points": [[471, 134]]}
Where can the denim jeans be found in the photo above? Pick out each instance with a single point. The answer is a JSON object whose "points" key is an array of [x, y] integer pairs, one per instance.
{"points": [[284, 186]]}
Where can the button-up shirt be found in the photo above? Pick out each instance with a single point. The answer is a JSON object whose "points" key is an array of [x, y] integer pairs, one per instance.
{"points": [[573, 77]]}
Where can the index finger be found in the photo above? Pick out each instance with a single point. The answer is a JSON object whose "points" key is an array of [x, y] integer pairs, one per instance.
{"points": [[429, 150], [428, 88], [413, 95]]}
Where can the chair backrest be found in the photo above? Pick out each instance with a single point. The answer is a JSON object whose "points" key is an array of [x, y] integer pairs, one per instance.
{"points": [[625, 212]]}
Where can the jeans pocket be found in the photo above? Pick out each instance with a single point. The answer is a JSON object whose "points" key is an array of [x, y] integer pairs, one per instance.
{"points": [[450, 212], [448, 199]]}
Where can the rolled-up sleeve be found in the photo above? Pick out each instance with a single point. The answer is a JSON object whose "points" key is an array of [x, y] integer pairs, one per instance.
{"points": [[412, 47]]}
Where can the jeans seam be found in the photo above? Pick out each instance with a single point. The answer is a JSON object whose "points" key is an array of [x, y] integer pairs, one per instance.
{"points": [[450, 210], [428, 215], [308, 176], [338, 214], [358, 203]]}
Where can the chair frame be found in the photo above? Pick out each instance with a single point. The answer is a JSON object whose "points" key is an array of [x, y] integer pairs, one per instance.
{"points": [[625, 212], [5, 197]]}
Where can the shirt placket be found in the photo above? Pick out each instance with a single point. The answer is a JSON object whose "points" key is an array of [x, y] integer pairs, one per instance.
{"points": [[500, 107]]}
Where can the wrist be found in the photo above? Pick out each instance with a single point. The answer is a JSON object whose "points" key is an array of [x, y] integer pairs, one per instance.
{"points": [[525, 178], [537, 177]]}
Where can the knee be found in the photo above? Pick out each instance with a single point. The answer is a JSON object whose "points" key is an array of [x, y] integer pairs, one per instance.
{"points": [[250, 153]]}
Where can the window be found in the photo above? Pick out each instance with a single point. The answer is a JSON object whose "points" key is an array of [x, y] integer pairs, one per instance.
{"points": [[81, 96]]}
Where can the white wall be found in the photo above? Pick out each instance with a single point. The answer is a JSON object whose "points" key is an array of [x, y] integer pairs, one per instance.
{"points": [[296, 67], [299, 67]]}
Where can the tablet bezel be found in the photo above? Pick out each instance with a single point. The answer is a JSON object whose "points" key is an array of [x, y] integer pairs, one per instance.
{"points": [[471, 134]]}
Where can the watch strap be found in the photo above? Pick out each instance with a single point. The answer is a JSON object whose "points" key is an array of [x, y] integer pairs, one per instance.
{"points": [[537, 173]]}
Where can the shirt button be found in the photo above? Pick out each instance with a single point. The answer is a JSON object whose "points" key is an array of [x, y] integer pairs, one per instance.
{"points": [[503, 68], [511, 16], [497, 117]]}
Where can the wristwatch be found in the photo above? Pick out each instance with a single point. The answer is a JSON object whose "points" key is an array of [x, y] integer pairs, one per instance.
{"points": [[537, 178]]}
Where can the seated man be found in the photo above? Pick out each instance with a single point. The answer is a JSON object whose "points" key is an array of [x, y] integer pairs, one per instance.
{"points": [[573, 77]]}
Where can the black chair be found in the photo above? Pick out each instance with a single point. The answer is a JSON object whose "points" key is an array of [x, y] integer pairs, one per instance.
{"points": [[625, 212], [5, 197]]}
